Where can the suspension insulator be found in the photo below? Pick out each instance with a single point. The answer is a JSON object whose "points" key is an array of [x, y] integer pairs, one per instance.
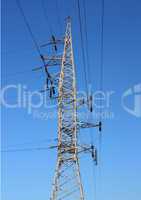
{"points": [[100, 126], [54, 41], [53, 90], [94, 154], [51, 93], [47, 82], [90, 103], [53, 38]]}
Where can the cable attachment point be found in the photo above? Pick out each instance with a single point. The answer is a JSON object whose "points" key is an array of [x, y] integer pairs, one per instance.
{"points": [[100, 126], [90, 103], [54, 43], [52, 91], [94, 154]]}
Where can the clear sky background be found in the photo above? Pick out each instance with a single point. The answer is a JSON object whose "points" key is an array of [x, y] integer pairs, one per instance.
{"points": [[28, 175]]}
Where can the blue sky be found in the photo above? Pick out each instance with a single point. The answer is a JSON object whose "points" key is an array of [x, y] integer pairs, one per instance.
{"points": [[28, 175]]}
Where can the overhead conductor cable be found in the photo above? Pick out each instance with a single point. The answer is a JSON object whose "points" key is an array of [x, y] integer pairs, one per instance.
{"points": [[33, 38]]}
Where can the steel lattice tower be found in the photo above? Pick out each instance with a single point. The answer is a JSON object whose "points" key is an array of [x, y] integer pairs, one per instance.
{"points": [[67, 181]]}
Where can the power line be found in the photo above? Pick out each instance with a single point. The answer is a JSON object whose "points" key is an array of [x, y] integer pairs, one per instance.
{"points": [[28, 26], [58, 14], [87, 53], [14, 53], [17, 73], [82, 45], [46, 16], [101, 77], [86, 38], [88, 68], [33, 38], [26, 149], [18, 77], [101, 61], [102, 44], [33, 143]]}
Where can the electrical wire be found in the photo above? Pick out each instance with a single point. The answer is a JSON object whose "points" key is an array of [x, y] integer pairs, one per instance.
{"points": [[58, 14], [46, 17], [15, 53], [33, 142], [101, 76], [90, 114], [86, 38], [33, 37], [25, 149], [101, 64], [17, 73], [87, 55], [82, 47], [16, 78], [28, 26], [101, 83], [102, 45]]}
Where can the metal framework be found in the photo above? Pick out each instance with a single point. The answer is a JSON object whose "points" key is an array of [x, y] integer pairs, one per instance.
{"points": [[67, 181]]}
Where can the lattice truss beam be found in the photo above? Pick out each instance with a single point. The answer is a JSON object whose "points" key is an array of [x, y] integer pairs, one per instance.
{"points": [[67, 182]]}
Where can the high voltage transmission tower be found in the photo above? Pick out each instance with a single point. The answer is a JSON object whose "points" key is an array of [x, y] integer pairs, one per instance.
{"points": [[67, 183], [61, 86]]}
